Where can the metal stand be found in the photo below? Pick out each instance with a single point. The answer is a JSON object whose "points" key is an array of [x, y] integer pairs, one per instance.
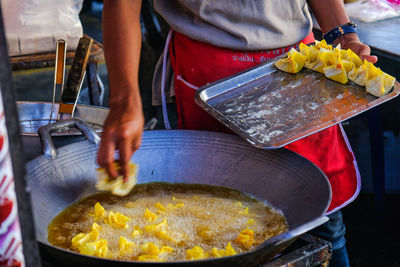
{"points": [[308, 250]]}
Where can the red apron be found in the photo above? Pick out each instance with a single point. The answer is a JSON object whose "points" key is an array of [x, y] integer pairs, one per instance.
{"points": [[196, 64]]}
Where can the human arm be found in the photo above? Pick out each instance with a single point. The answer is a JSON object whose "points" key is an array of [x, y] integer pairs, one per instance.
{"points": [[124, 124], [332, 13]]}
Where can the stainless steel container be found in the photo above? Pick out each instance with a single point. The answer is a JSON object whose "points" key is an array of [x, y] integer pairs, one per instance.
{"points": [[33, 115]]}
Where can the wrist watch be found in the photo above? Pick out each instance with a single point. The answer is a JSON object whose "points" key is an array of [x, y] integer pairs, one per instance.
{"points": [[330, 36]]}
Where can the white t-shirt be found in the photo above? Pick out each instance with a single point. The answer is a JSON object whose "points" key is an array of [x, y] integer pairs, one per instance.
{"points": [[239, 24], [235, 24]]}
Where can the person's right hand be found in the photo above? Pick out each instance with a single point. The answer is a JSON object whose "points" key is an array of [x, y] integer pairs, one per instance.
{"points": [[122, 131], [123, 128]]}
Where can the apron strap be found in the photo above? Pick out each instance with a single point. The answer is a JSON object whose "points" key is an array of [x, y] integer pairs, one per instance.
{"points": [[164, 67]]}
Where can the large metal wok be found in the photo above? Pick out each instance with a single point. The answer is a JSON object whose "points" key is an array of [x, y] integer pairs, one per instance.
{"points": [[284, 179]]}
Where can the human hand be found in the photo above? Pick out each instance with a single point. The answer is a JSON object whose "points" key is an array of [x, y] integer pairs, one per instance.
{"points": [[352, 41], [122, 130]]}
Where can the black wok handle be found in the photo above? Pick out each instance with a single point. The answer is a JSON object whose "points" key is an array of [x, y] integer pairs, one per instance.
{"points": [[49, 150]]}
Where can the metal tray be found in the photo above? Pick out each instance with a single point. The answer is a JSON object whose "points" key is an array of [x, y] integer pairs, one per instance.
{"points": [[270, 108]]}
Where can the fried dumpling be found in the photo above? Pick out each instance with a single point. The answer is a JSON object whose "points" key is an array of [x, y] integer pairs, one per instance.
{"points": [[336, 73], [293, 63], [325, 58], [377, 82], [117, 186]]}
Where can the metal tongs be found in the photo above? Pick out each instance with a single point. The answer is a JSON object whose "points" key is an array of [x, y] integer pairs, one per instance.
{"points": [[70, 93]]}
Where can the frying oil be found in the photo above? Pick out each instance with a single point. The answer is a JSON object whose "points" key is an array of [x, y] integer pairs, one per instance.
{"points": [[196, 215]]}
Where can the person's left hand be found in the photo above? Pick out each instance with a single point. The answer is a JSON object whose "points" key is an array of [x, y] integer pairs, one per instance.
{"points": [[352, 41]]}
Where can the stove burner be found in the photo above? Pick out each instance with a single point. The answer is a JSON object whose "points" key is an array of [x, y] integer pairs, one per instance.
{"points": [[307, 250]]}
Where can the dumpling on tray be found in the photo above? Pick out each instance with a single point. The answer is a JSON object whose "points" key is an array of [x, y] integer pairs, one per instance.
{"points": [[293, 63], [323, 44], [377, 82], [358, 75], [353, 57], [336, 72], [335, 69], [325, 58], [339, 65]]}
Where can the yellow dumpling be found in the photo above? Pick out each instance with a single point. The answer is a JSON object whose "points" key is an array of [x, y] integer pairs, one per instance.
{"points": [[96, 227], [323, 44], [136, 231], [358, 75], [304, 49], [311, 57], [151, 228], [98, 211], [293, 63], [297, 57], [218, 253], [166, 249], [81, 238], [104, 183], [342, 52], [246, 238], [149, 216], [78, 240], [152, 252], [388, 82], [336, 73], [149, 249], [122, 188], [160, 207], [88, 248], [117, 220], [97, 248], [229, 251], [159, 230], [125, 246], [378, 83], [196, 253], [242, 209], [353, 57], [205, 233], [117, 186], [325, 58], [347, 65]]}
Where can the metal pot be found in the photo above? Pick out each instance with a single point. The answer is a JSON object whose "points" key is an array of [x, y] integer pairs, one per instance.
{"points": [[33, 115], [284, 179]]}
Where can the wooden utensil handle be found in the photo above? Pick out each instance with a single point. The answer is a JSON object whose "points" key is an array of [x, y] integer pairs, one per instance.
{"points": [[60, 61], [77, 71]]}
